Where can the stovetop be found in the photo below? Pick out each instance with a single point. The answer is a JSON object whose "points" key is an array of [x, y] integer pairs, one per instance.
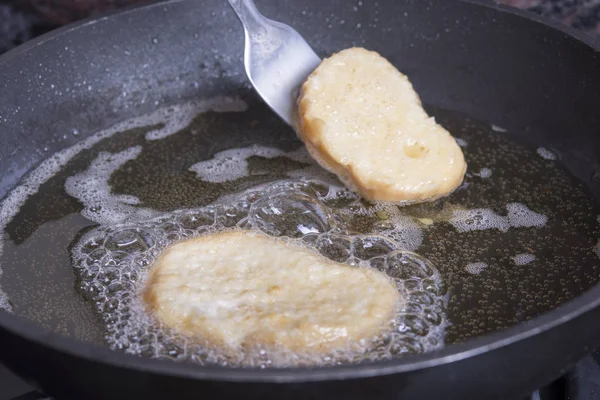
{"points": [[21, 20], [581, 383]]}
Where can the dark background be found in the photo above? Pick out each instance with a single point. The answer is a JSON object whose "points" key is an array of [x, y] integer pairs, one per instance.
{"points": [[21, 20]]}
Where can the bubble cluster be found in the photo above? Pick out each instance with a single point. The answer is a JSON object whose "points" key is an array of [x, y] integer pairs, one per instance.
{"points": [[476, 268], [91, 188], [479, 219], [524, 258], [546, 154], [497, 128], [232, 164], [173, 119], [484, 173], [112, 262], [4, 302], [520, 216]]}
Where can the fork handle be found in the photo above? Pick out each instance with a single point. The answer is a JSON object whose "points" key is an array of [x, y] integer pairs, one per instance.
{"points": [[248, 14]]}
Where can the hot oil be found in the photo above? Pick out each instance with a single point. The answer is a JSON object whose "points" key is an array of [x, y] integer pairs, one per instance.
{"points": [[516, 239], [113, 263]]}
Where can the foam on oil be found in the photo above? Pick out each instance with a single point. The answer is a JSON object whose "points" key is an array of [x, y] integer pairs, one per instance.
{"points": [[91, 188], [476, 268], [113, 262], [546, 154], [476, 237], [524, 258], [230, 165], [518, 216], [168, 120]]}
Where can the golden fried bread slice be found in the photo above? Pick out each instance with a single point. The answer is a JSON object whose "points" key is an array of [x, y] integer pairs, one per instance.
{"points": [[240, 289], [361, 119]]}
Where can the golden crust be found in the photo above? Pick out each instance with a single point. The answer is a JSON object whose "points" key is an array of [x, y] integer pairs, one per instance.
{"points": [[361, 119], [238, 290]]}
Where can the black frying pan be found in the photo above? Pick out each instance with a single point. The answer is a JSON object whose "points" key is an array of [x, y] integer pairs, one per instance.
{"points": [[538, 80]]}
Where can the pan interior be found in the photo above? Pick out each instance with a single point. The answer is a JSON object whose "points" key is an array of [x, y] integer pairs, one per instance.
{"points": [[494, 279], [518, 238]]}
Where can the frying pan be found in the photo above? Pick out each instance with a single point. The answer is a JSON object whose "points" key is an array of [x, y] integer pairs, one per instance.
{"points": [[538, 80]]}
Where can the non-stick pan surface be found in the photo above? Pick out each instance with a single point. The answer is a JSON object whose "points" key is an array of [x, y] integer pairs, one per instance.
{"points": [[535, 80]]}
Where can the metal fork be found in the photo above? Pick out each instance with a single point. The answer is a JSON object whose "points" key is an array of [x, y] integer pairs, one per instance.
{"points": [[277, 59]]}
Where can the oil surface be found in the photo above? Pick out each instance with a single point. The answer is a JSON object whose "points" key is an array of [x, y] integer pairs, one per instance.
{"points": [[113, 261], [516, 239]]}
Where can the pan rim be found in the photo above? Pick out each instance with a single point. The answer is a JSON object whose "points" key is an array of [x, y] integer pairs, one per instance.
{"points": [[454, 353], [583, 37]]}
